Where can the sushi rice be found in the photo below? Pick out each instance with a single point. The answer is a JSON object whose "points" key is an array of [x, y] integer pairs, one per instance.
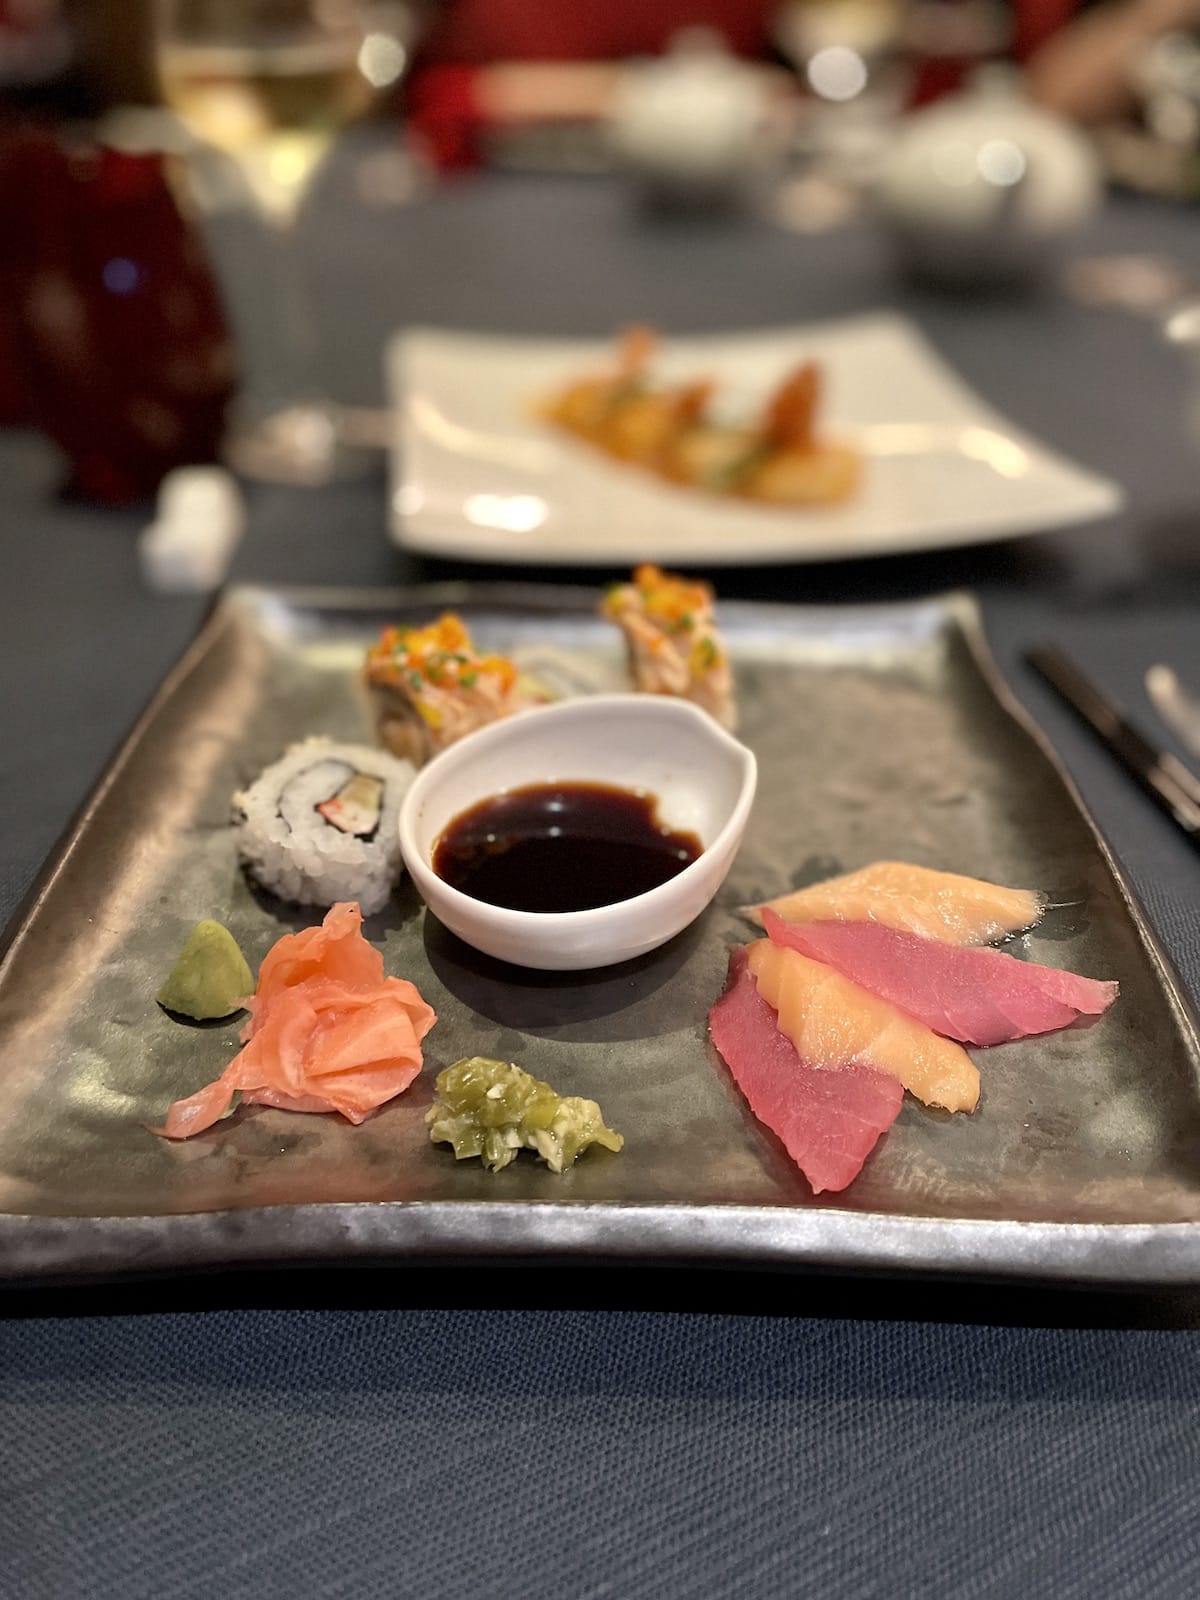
{"points": [[321, 824]]}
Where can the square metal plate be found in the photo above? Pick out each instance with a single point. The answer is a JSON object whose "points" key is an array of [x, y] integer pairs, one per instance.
{"points": [[880, 732]]}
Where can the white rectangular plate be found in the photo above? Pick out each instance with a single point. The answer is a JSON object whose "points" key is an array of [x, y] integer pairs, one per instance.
{"points": [[476, 476]]}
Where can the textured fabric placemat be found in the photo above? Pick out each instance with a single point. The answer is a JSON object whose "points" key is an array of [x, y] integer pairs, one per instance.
{"points": [[372, 1455], [444, 1451], [391, 1434]]}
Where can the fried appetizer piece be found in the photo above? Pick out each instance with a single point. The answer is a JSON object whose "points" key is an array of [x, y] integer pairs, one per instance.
{"points": [[780, 459], [644, 427], [794, 467], [586, 406], [623, 412]]}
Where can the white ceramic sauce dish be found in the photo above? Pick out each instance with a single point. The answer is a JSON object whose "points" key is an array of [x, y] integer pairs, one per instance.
{"points": [[703, 779]]}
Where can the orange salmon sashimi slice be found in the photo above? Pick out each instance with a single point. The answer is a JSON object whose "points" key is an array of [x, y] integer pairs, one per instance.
{"points": [[937, 905], [835, 1023]]}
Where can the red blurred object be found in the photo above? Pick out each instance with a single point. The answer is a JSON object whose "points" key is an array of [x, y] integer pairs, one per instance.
{"points": [[466, 37], [113, 339], [16, 408], [1035, 21], [483, 31], [444, 108]]}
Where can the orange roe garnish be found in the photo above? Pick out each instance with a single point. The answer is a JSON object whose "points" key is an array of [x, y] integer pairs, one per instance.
{"points": [[441, 655], [674, 602]]}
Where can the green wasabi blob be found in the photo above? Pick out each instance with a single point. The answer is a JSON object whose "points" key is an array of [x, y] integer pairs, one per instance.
{"points": [[493, 1110], [210, 977]]}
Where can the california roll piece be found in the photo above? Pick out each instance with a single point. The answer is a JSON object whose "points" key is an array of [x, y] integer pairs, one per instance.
{"points": [[430, 687], [322, 824], [674, 647]]}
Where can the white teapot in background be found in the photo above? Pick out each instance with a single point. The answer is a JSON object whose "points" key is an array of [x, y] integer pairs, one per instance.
{"points": [[982, 185], [693, 126]]}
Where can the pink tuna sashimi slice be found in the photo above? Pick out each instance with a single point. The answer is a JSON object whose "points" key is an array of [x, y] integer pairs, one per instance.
{"points": [[964, 992], [829, 1118]]}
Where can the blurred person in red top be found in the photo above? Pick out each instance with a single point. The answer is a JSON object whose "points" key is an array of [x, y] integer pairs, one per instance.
{"points": [[1083, 67], [483, 64], [487, 64]]}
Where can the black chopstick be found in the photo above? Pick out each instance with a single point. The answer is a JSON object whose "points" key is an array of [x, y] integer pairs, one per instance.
{"points": [[1160, 773]]}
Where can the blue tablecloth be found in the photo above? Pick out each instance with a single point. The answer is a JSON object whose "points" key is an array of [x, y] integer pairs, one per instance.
{"points": [[622, 1433]]}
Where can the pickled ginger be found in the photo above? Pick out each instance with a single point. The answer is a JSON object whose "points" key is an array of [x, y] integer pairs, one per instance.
{"points": [[327, 1032]]}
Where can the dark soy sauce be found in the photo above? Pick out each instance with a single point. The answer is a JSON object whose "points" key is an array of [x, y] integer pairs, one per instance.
{"points": [[561, 847]]}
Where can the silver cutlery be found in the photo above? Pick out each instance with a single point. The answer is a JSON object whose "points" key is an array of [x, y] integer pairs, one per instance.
{"points": [[1161, 774], [1178, 706]]}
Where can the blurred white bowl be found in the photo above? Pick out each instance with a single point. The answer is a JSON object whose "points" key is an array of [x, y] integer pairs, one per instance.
{"points": [[704, 781], [692, 126], [979, 185]]}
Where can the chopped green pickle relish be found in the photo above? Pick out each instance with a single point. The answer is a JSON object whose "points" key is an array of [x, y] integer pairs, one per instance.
{"points": [[494, 1110]]}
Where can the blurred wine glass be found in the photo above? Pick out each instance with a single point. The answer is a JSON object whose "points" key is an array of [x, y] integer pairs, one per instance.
{"points": [[271, 83], [848, 55]]}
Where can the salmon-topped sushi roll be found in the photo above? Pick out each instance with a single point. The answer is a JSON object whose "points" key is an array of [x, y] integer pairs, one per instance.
{"points": [[674, 646], [431, 687]]}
